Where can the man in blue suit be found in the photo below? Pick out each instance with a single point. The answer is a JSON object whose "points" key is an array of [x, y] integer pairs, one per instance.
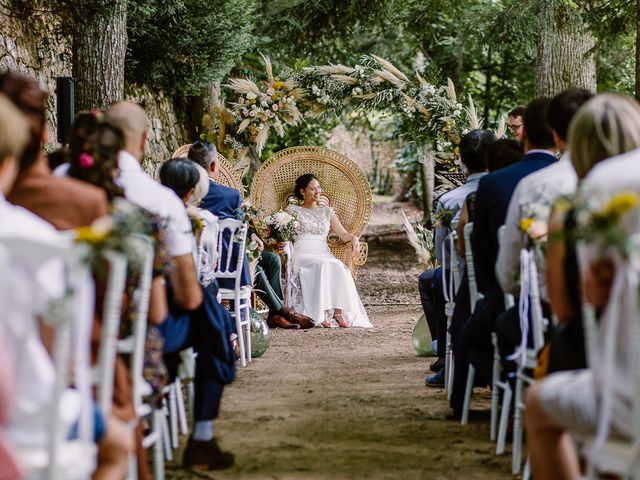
{"points": [[491, 204], [225, 202]]}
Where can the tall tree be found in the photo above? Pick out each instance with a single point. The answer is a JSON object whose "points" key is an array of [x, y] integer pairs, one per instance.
{"points": [[99, 49], [638, 50], [564, 51]]}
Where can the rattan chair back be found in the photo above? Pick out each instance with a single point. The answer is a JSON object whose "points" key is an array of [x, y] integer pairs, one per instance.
{"points": [[344, 186], [226, 174]]}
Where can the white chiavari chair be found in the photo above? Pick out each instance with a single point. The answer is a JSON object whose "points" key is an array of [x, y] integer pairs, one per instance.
{"points": [[226, 268], [526, 356], [72, 317], [450, 283], [615, 456]]}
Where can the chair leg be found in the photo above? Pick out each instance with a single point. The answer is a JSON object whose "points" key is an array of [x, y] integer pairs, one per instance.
{"points": [[182, 412], [526, 475], [240, 332], [471, 376], [248, 331], [132, 472], [504, 419], [173, 416], [165, 438], [159, 423], [517, 428], [448, 362], [495, 394]]}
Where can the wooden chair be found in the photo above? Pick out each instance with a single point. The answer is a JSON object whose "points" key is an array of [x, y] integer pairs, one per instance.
{"points": [[343, 182], [226, 174]]}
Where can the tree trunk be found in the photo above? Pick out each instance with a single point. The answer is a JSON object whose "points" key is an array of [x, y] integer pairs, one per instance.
{"points": [[638, 50], [100, 45], [563, 56]]}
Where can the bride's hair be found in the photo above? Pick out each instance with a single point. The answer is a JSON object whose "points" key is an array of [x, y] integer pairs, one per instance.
{"points": [[301, 183]]}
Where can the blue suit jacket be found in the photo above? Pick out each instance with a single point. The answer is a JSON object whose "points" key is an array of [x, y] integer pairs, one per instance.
{"points": [[491, 204], [224, 202]]}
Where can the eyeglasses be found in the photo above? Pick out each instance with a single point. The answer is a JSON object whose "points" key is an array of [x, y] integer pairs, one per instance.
{"points": [[514, 128]]}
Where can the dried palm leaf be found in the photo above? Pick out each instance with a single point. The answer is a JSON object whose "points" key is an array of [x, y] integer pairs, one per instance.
{"points": [[384, 75], [423, 254], [345, 79], [390, 67], [422, 81], [269, 69], [261, 139], [294, 114], [451, 91], [277, 126], [418, 106], [289, 84], [331, 69], [297, 93], [243, 125], [475, 123], [243, 86], [317, 110]]}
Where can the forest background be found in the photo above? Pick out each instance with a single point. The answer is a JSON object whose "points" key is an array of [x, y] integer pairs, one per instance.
{"points": [[173, 56]]}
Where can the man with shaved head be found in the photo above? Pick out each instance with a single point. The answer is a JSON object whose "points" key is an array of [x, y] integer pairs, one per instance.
{"points": [[185, 291]]}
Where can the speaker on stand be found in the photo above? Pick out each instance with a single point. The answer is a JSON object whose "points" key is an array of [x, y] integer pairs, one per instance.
{"points": [[65, 111]]}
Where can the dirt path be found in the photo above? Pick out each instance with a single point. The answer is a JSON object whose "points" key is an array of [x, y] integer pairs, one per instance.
{"points": [[351, 404]]}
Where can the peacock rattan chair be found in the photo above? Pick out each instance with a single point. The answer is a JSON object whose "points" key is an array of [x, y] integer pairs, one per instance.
{"points": [[343, 184], [226, 174]]}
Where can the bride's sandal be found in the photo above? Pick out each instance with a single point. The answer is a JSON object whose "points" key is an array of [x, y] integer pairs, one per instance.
{"points": [[326, 324], [341, 321]]}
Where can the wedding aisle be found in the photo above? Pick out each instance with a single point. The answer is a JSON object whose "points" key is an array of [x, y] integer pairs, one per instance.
{"points": [[337, 404]]}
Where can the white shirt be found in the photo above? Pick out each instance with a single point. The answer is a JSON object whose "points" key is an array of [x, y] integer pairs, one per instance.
{"points": [[450, 205], [533, 198], [142, 190]]}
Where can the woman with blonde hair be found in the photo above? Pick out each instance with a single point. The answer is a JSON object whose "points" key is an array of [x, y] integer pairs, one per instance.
{"points": [[571, 401]]}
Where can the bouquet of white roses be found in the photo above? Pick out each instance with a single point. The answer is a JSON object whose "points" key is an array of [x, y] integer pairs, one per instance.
{"points": [[281, 227]]}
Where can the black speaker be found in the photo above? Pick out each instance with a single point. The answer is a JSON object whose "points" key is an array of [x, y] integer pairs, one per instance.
{"points": [[65, 96]]}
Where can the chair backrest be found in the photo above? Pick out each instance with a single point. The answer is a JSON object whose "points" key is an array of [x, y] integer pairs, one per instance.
{"points": [[509, 301], [73, 331], [105, 369], [134, 344], [343, 182], [232, 234], [226, 174], [474, 295], [208, 250], [450, 268]]}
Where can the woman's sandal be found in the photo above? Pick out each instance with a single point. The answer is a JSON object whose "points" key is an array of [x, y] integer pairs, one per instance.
{"points": [[326, 324], [341, 321]]}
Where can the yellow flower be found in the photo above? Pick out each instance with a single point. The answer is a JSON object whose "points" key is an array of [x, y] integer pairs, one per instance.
{"points": [[456, 150], [278, 85], [89, 235], [525, 224], [620, 204]]}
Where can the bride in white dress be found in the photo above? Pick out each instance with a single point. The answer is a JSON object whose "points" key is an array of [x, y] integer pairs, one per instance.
{"points": [[321, 286]]}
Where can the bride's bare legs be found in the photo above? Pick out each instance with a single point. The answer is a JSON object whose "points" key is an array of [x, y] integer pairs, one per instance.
{"points": [[337, 315]]}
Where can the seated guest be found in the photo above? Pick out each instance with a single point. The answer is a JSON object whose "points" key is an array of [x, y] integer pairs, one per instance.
{"points": [[572, 401], [473, 148], [533, 198], [65, 203], [205, 332], [491, 203], [225, 202], [515, 119]]}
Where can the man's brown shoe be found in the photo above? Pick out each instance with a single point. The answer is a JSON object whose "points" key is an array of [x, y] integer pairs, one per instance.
{"points": [[298, 318], [278, 321], [200, 456]]}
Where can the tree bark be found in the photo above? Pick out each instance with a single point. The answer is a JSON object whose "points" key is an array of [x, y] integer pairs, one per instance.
{"points": [[563, 56], [638, 50], [99, 49], [428, 183]]}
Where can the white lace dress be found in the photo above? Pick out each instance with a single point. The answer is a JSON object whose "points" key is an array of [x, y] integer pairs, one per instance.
{"points": [[319, 282]]}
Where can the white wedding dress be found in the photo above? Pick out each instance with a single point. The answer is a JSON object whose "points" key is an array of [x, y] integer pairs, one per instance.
{"points": [[319, 282]]}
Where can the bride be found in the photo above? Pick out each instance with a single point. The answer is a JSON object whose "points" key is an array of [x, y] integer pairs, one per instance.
{"points": [[321, 286]]}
